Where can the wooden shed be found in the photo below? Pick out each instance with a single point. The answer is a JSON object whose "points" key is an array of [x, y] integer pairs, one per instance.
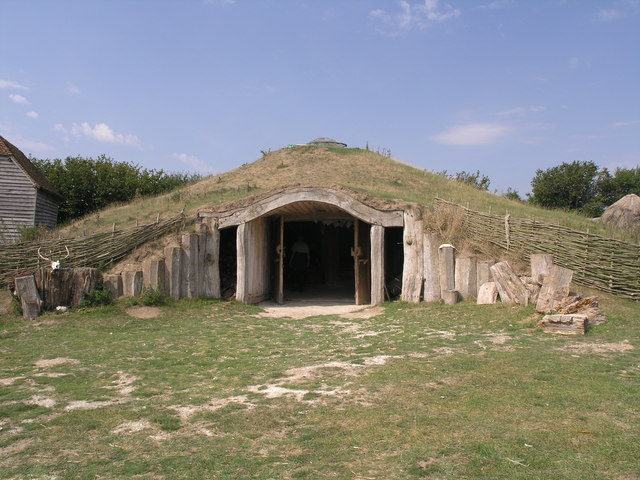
{"points": [[357, 243], [27, 198]]}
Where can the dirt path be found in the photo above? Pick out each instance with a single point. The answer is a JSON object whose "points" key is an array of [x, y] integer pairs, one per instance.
{"points": [[299, 309]]}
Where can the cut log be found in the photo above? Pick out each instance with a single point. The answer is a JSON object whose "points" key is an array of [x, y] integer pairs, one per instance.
{"points": [[450, 297], [488, 293], [84, 280], [588, 306], [447, 267], [211, 267], [153, 272], [466, 277], [555, 287], [431, 270], [510, 287], [540, 265], [132, 283], [173, 271], [484, 272], [113, 283], [29, 298], [533, 289], [565, 324], [189, 287], [55, 286], [412, 274]]}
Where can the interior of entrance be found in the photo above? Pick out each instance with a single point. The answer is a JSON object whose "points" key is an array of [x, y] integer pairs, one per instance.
{"points": [[328, 273]]}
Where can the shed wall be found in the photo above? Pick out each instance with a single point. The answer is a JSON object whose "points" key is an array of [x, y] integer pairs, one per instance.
{"points": [[17, 199], [46, 209]]}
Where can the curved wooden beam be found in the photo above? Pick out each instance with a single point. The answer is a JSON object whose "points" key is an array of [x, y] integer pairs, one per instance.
{"points": [[385, 218]]}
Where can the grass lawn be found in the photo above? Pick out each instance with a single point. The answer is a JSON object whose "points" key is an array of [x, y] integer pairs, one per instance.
{"points": [[211, 390]]}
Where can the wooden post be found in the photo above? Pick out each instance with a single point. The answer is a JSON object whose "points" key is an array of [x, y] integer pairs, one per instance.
{"points": [[484, 272], [510, 287], [450, 297], [241, 275], [189, 265], [211, 266], [153, 273], [554, 288], [29, 298], [377, 264], [113, 283], [55, 286], [201, 232], [431, 269], [132, 283], [446, 268], [412, 274], [173, 271], [465, 277], [84, 280], [540, 265]]}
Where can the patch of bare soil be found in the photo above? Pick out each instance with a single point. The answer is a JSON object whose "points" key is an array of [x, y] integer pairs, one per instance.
{"points": [[364, 314], [53, 362], [15, 447], [86, 405], [618, 347], [124, 383], [5, 382], [132, 427], [5, 302], [298, 312], [143, 312]]}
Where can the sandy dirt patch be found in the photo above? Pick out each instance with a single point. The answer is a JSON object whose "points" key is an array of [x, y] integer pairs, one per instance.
{"points": [[143, 312], [132, 427], [15, 447], [364, 314], [5, 382], [124, 383], [618, 347], [53, 362], [42, 401], [298, 312], [86, 405]]}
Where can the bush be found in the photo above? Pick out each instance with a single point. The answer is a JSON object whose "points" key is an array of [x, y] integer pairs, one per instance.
{"points": [[97, 297], [150, 297]]}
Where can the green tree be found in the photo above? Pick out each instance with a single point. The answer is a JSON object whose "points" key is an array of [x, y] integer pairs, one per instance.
{"points": [[569, 185], [89, 184]]}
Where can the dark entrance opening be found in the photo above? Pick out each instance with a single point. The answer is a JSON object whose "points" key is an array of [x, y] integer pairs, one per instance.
{"points": [[228, 262], [393, 261], [330, 270]]}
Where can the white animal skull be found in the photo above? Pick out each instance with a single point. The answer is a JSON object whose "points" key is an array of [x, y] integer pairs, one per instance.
{"points": [[55, 264]]}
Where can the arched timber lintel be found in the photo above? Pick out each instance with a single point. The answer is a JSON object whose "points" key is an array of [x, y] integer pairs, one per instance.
{"points": [[361, 211]]}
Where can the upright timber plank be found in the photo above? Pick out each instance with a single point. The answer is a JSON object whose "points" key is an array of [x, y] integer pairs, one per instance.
{"points": [[211, 265], [412, 270], [190, 265], [173, 271], [241, 270], [431, 272], [377, 264]]}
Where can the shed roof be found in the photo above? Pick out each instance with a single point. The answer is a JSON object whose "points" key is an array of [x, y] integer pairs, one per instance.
{"points": [[10, 150]]}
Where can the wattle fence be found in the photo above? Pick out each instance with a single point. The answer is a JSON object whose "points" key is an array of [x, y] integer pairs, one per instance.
{"points": [[98, 250], [599, 262]]}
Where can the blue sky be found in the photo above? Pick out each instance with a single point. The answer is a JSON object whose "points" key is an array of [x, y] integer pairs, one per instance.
{"points": [[505, 86]]}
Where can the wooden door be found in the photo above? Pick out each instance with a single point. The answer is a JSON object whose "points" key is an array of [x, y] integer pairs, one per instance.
{"points": [[361, 264]]}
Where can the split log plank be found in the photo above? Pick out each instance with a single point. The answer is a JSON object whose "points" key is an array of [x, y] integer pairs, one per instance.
{"points": [[173, 271], [510, 287], [412, 273], [540, 266], [555, 287], [29, 298], [466, 277], [430, 245], [113, 283], [487, 294]]}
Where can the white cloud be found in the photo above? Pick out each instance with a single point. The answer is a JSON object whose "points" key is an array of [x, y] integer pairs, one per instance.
{"points": [[607, 15], [72, 89], [193, 162], [480, 134], [521, 111], [13, 85], [418, 15], [624, 124], [103, 133], [32, 114], [495, 4], [15, 98]]}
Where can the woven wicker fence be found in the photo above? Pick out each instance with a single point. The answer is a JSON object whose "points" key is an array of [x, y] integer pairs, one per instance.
{"points": [[603, 263], [99, 250]]}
